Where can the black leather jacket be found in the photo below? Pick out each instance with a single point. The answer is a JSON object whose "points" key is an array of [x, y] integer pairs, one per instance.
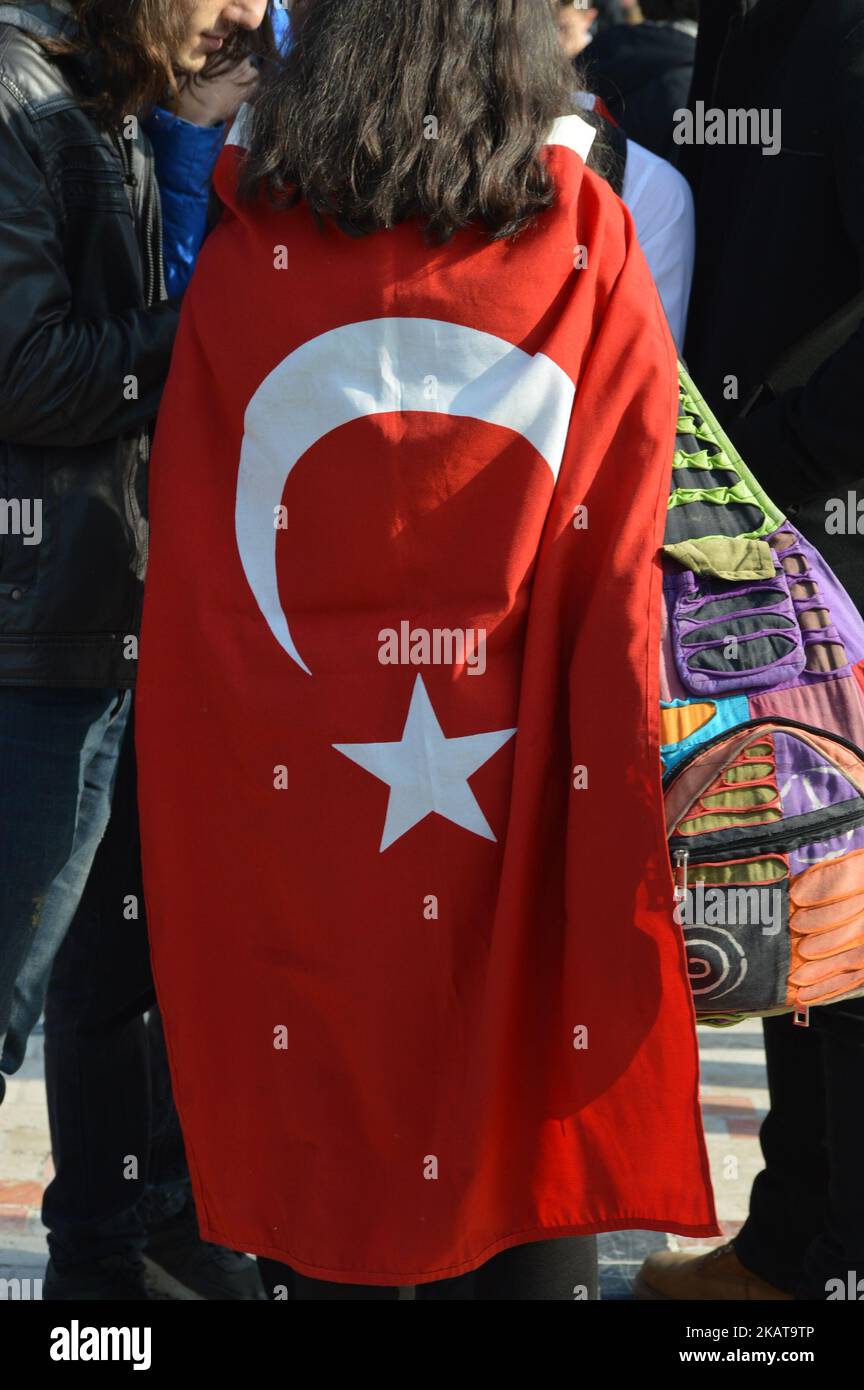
{"points": [[85, 343]]}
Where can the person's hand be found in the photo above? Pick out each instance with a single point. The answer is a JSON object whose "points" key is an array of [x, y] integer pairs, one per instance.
{"points": [[211, 100]]}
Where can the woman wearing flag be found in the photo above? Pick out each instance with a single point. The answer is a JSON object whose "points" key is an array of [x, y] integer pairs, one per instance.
{"points": [[425, 1003]]}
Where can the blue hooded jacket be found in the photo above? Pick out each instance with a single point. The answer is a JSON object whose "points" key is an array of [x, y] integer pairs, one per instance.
{"points": [[185, 156]]}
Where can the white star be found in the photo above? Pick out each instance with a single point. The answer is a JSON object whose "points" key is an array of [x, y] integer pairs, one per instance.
{"points": [[426, 771]]}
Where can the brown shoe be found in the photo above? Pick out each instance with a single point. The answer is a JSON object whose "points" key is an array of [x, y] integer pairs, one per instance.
{"points": [[717, 1276]]}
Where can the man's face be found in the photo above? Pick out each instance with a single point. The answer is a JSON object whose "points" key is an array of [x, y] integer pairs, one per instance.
{"points": [[210, 23]]}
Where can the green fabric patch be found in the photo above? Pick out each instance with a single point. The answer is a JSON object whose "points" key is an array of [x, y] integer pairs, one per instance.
{"points": [[697, 420], [749, 871], [748, 772], [700, 825], [742, 797], [723, 557], [701, 461]]}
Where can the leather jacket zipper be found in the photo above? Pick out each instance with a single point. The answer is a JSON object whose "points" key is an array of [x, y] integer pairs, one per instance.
{"points": [[148, 220]]}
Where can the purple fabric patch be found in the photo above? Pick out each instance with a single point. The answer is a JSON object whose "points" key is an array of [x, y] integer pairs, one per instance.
{"points": [[731, 638], [845, 616], [807, 855], [847, 624], [806, 781], [670, 682]]}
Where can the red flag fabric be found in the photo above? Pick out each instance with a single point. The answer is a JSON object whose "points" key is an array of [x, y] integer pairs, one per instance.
{"points": [[407, 884]]}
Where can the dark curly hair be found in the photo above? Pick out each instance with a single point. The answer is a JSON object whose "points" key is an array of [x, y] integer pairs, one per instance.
{"points": [[437, 109]]}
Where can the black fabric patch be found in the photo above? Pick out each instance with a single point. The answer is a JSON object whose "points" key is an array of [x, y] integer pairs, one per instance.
{"points": [[734, 627], [704, 477], [741, 961], [690, 520], [751, 653], [740, 603]]}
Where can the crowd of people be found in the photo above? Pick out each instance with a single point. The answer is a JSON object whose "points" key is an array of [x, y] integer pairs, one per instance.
{"points": [[229, 234]]}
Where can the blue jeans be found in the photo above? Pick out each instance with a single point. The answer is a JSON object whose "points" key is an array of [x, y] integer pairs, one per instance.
{"points": [[106, 1072], [58, 763]]}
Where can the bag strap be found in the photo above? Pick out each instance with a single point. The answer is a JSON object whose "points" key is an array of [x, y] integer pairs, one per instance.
{"points": [[796, 366]]}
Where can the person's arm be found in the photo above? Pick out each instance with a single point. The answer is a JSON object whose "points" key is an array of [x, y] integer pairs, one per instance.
{"points": [[661, 204], [808, 440], [63, 380]]}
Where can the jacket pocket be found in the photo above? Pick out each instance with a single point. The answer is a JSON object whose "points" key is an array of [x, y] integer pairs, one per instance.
{"points": [[91, 178]]}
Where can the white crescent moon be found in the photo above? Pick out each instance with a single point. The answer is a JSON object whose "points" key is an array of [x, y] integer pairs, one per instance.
{"points": [[371, 368]]}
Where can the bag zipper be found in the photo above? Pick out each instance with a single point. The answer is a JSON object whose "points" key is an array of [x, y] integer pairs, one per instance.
{"points": [[765, 845]]}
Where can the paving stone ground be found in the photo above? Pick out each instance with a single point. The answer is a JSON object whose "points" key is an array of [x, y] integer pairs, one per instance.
{"points": [[734, 1103], [734, 1100]]}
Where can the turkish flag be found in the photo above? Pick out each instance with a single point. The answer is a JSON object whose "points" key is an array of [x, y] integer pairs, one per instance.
{"points": [[407, 882]]}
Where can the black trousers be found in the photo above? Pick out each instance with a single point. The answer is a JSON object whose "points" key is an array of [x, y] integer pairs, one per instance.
{"points": [[806, 1221], [544, 1270], [118, 1151]]}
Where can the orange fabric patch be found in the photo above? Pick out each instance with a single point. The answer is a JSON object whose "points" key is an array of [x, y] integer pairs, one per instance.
{"points": [[683, 720], [827, 930]]}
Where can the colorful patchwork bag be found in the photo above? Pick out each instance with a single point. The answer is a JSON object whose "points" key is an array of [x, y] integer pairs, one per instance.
{"points": [[762, 733]]}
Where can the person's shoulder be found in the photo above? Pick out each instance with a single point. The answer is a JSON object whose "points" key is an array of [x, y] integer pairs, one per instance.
{"points": [[574, 133], [845, 17], [586, 208], [823, 30], [28, 76], [580, 185]]}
